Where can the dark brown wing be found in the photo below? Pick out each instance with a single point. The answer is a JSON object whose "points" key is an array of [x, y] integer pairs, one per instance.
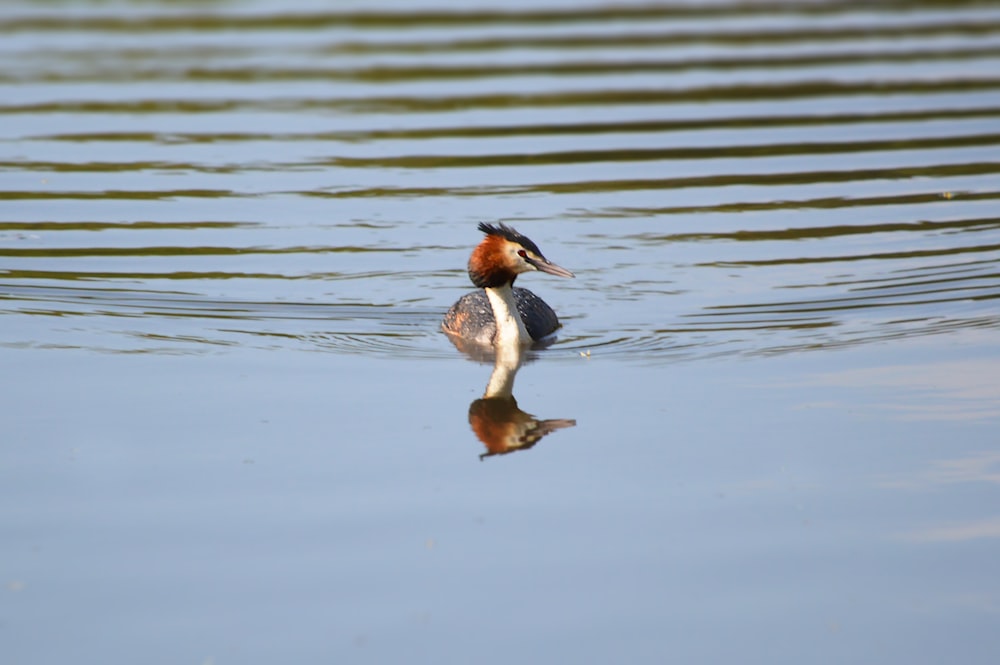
{"points": [[471, 318], [538, 317]]}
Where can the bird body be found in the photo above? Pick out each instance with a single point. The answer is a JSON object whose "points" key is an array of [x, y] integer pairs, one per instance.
{"points": [[499, 313]]}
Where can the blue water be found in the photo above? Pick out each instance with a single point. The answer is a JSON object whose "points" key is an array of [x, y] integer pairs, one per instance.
{"points": [[234, 432]]}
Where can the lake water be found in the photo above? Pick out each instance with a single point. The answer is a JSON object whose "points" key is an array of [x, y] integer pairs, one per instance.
{"points": [[234, 433]]}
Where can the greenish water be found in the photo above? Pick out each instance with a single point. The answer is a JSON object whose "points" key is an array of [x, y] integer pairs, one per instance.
{"points": [[235, 433]]}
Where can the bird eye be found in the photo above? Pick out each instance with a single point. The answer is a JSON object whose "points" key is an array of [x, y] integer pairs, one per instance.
{"points": [[523, 254]]}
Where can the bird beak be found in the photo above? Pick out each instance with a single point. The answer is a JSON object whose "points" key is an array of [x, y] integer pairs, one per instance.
{"points": [[551, 268]]}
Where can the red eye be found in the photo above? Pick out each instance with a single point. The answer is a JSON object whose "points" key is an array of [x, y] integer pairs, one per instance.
{"points": [[523, 254]]}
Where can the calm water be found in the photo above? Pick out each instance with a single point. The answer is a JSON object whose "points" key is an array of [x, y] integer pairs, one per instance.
{"points": [[233, 432]]}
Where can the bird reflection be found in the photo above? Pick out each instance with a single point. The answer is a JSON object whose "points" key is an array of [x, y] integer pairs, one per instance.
{"points": [[495, 417]]}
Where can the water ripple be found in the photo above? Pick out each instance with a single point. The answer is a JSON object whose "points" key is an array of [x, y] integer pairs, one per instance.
{"points": [[735, 179]]}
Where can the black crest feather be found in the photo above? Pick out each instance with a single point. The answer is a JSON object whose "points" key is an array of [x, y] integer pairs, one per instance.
{"points": [[510, 234]]}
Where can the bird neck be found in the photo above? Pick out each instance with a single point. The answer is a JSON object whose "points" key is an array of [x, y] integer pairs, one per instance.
{"points": [[510, 326]]}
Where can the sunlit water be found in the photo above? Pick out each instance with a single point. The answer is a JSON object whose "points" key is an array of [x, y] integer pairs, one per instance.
{"points": [[235, 432]]}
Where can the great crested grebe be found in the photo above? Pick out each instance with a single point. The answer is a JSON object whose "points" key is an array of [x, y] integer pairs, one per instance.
{"points": [[498, 313]]}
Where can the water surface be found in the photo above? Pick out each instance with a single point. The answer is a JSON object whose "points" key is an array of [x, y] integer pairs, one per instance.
{"points": [[235, 433]]}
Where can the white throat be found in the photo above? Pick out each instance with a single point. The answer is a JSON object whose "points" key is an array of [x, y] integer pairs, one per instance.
{"points": [[510, 327]]}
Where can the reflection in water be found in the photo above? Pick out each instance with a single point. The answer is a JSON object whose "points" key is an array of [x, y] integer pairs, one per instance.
{"points": [[933, 390], [956, 532], [495, 417], [982, 467]]}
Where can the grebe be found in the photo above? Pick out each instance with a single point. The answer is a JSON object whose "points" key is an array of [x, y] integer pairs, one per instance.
{"points": [[498, 313]]}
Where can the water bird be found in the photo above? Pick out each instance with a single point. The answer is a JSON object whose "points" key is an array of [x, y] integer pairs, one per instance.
{"points": [[498, 313]]}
